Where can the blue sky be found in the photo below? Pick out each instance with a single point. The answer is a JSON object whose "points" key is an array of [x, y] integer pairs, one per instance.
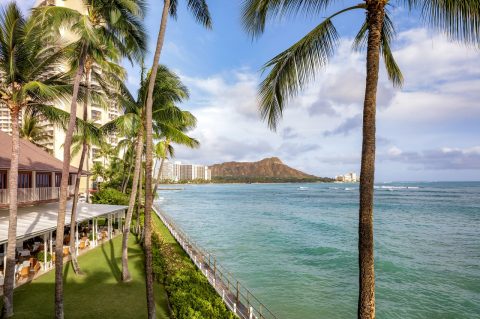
{"points": [[428, 130]]}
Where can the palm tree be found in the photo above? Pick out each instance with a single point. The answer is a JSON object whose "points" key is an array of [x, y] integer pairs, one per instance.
{"points": [[201, 13], [292, 69], [97, 170], [90, 135], [105, 25], [29, 78], [168, 89], [35, 130], [105, 152]]}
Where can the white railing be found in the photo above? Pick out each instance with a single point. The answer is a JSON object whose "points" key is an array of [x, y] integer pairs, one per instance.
{"points": [[25, 195], [235, 296]]}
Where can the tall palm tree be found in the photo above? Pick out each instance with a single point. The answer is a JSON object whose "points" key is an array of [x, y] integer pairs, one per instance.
{"points": [[292, 69], [105, 25], [168, 89], [201, 13], [90, 135], [35, 130], [29, 78]]}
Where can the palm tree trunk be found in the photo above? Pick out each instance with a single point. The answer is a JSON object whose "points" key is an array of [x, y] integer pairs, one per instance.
{"points": [[148, 164], [59, 313], [87, 191], [125, 185], [140, 197], [133, 196], [12, 222], [159, 175], [73, 220], [124, 164], [366, 299]]}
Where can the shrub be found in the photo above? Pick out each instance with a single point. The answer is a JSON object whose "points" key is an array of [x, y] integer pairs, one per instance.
{"points": [[41, 256], [110, 196], [189, 292]]}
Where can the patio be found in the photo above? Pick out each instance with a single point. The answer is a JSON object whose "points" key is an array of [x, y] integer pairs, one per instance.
{"points": [[36, 233]]}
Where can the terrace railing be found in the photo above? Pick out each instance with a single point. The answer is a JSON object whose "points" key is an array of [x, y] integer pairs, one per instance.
{"points": [[28, 195], [234, 294]]}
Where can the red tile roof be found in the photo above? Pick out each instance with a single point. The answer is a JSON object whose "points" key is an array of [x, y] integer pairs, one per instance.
{"points": [[32, 158]]}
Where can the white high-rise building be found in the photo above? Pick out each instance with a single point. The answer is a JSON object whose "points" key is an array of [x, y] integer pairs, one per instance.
{"points": [[347, 178], [182, 172], [95, 113]]}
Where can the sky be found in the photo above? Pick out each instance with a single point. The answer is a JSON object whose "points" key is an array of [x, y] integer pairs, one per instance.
{"points": [[427, 130]]}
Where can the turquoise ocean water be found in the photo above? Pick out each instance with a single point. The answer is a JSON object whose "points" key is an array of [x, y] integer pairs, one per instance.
{"points": [[295, 245]]}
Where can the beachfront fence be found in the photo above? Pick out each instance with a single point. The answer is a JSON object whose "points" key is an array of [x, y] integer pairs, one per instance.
{"points": [[235, 295]]}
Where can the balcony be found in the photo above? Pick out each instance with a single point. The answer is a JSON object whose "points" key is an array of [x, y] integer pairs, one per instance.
{"points": [[33, 195]]}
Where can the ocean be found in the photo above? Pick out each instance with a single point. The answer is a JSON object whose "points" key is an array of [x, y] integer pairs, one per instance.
{"points": [[295, 245]]}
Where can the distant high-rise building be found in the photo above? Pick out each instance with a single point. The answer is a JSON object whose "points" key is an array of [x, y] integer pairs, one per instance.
{"points": [[182, 172], [347, 178]]}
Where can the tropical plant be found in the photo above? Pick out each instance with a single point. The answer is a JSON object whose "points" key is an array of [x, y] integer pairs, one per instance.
{"points": [[36, 131], [168, 89], [110, 196], [201, 13], [290, 71], [90, 135], [101, 69], [30, 78], [98, 170], [104, 26]]}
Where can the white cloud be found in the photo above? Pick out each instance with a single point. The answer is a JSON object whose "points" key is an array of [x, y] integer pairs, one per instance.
{"points": [[321, 129]]}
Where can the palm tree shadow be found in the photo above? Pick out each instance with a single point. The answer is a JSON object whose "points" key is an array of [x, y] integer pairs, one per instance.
{"points": [[111, 261], [66, 270]]}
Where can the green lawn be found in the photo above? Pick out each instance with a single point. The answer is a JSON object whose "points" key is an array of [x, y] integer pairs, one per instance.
{"points": [[97, 294]]}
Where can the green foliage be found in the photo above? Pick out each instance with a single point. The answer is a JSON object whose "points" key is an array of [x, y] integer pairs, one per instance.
{"points": [[41, 256], [190, 294], [110, 196]]}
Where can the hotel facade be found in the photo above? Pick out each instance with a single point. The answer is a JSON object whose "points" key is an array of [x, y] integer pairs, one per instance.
{"points": [[95, 113]]}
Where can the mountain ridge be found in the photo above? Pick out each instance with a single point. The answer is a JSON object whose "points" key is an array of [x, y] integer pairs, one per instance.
{"points": [[271, 167]]}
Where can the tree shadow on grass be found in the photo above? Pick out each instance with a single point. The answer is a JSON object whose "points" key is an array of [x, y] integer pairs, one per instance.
{"points": [[111, 260]]}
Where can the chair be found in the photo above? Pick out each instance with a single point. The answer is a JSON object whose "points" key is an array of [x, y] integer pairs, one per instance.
{"points": [[24, 272], [81, 245], [36, 268], [66, 250]]}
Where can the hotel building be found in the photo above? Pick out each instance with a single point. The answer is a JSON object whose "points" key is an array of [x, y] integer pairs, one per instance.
{"points": [[182, 172], [96, 113]]}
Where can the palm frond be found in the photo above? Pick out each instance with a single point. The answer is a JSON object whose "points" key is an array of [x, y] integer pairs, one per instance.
{"points": [[460, 20], [255, 13], [199, 9], [388, 35]]}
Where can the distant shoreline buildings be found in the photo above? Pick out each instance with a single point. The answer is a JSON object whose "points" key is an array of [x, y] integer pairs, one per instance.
{"points": [[347, 178], [176, 171]]}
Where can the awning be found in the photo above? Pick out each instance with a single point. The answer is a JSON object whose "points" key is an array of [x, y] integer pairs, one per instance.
{"points": [[39, 219]]}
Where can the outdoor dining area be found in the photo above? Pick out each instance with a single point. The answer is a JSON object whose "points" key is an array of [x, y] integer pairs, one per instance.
{"points": [[36, 235]]}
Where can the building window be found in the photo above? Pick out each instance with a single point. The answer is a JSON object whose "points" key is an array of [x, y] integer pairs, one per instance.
{"points": [[58, 179], [71, 179], [24, 179], [3, 179], [43, 179], [96, 115]]}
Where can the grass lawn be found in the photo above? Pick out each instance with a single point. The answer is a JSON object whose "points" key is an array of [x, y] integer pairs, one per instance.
{"points": [[97, 294]]}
